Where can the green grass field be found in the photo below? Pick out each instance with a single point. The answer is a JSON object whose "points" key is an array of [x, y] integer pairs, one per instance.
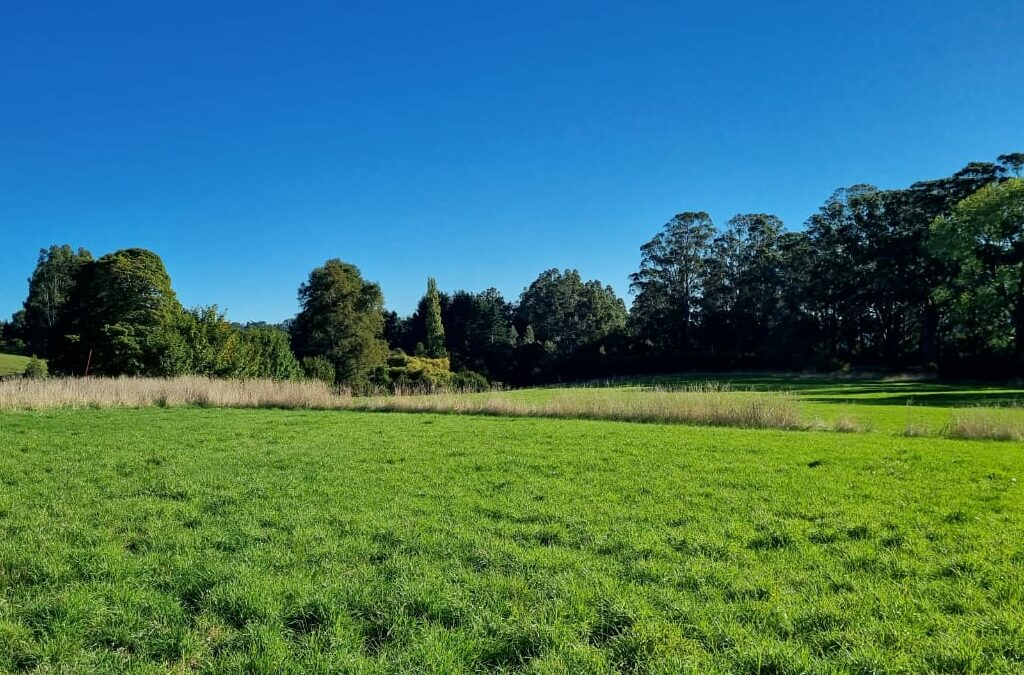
{"points": [[875, 404], [192, 539], [12, 364]]}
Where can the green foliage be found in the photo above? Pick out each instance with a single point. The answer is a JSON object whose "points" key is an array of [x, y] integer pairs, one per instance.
{"points": [[878, 279], [473, 544], [671, 281], [342, 320], [271, 353], [120, 311], [434, 346], [419, 372], [49, 289], [982, 242], [1013, 161], [12, 333], [202, 342], [36, 369], [855, 287], [568, 313], [319, 368], [480, 334], [467, 380]]}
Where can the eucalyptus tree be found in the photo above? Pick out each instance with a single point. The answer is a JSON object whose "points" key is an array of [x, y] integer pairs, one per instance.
{"points": [[671, 281]]}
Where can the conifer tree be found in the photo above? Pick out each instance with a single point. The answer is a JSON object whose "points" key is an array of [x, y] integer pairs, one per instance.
{"points": [[434, 344]]}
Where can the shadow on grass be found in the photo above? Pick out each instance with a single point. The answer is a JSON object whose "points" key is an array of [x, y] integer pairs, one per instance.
{"points": [[858, 392], [944, 399]]}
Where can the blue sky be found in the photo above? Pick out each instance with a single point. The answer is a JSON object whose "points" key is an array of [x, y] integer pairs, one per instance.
{"points": [[480, 143]]}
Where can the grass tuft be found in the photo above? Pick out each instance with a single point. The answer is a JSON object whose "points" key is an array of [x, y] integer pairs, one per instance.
{"points": [[990, 424], [848, 425]]}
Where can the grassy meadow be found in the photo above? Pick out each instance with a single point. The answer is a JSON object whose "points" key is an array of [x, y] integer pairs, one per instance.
{"points": [[12, 364], [203, 539], [895, 406]]}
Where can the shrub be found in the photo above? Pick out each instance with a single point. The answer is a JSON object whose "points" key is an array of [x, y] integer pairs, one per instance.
{"points": [[467, 380], [36, 369], [319, 368], [419, 372], [847, 425]]}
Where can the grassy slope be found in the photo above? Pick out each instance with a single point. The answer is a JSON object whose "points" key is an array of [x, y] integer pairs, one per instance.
{"points": [[248, 540], [12, 364]]}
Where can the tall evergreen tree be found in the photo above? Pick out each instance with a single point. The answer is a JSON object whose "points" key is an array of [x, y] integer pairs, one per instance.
{"points": [[434, 345]]}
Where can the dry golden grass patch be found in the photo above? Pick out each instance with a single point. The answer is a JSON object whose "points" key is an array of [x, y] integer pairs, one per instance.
{"points": [[994, 424], [102, 392], [713, 406], [752, 410]]}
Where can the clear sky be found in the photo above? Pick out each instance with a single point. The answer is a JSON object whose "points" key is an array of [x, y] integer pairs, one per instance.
{"points": [[477, 142]]}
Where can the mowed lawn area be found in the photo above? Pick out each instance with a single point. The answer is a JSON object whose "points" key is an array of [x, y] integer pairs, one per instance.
{"points": [[201, 539]]}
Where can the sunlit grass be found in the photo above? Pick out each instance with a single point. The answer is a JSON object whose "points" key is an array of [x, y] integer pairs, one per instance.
{"points": [[12, 364], [215, 540], [744, 403]]}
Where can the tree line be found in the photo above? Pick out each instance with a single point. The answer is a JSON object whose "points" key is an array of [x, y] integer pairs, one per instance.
{"points": [[926, 277]]}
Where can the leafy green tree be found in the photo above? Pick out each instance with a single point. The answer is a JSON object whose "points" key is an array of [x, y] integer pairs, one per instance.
{"points": [[1013, 162], [480, 333], [272, 356], [319, 368], [49, 290], [983, 240], [759, 280], [741, 289], [434, 346], [14, 332], [118, 316], [670, 282], [794, 331], [569, 313], [342, 320], [397, 330]]}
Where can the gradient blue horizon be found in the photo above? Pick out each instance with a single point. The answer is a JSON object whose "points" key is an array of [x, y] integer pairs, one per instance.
{"points": [[480, 144]]}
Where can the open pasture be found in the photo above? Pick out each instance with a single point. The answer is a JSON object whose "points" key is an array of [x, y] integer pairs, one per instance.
{"points": [[12, 364], [893, 405], [900, 407], [213, 540]]}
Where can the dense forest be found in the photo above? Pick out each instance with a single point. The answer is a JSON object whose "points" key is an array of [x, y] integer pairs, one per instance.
{"points": [[930, 277]]}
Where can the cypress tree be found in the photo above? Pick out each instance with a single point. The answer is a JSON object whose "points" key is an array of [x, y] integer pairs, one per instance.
{"points": [[434, 343]]}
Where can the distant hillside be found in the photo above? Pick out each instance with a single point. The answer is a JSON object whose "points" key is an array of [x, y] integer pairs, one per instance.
{"points": [[12, 364]]}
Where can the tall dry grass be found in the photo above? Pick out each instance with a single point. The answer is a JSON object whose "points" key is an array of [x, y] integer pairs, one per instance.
{"points": [[992, 424], [761, 411], [102, 392], [713, 405]]}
